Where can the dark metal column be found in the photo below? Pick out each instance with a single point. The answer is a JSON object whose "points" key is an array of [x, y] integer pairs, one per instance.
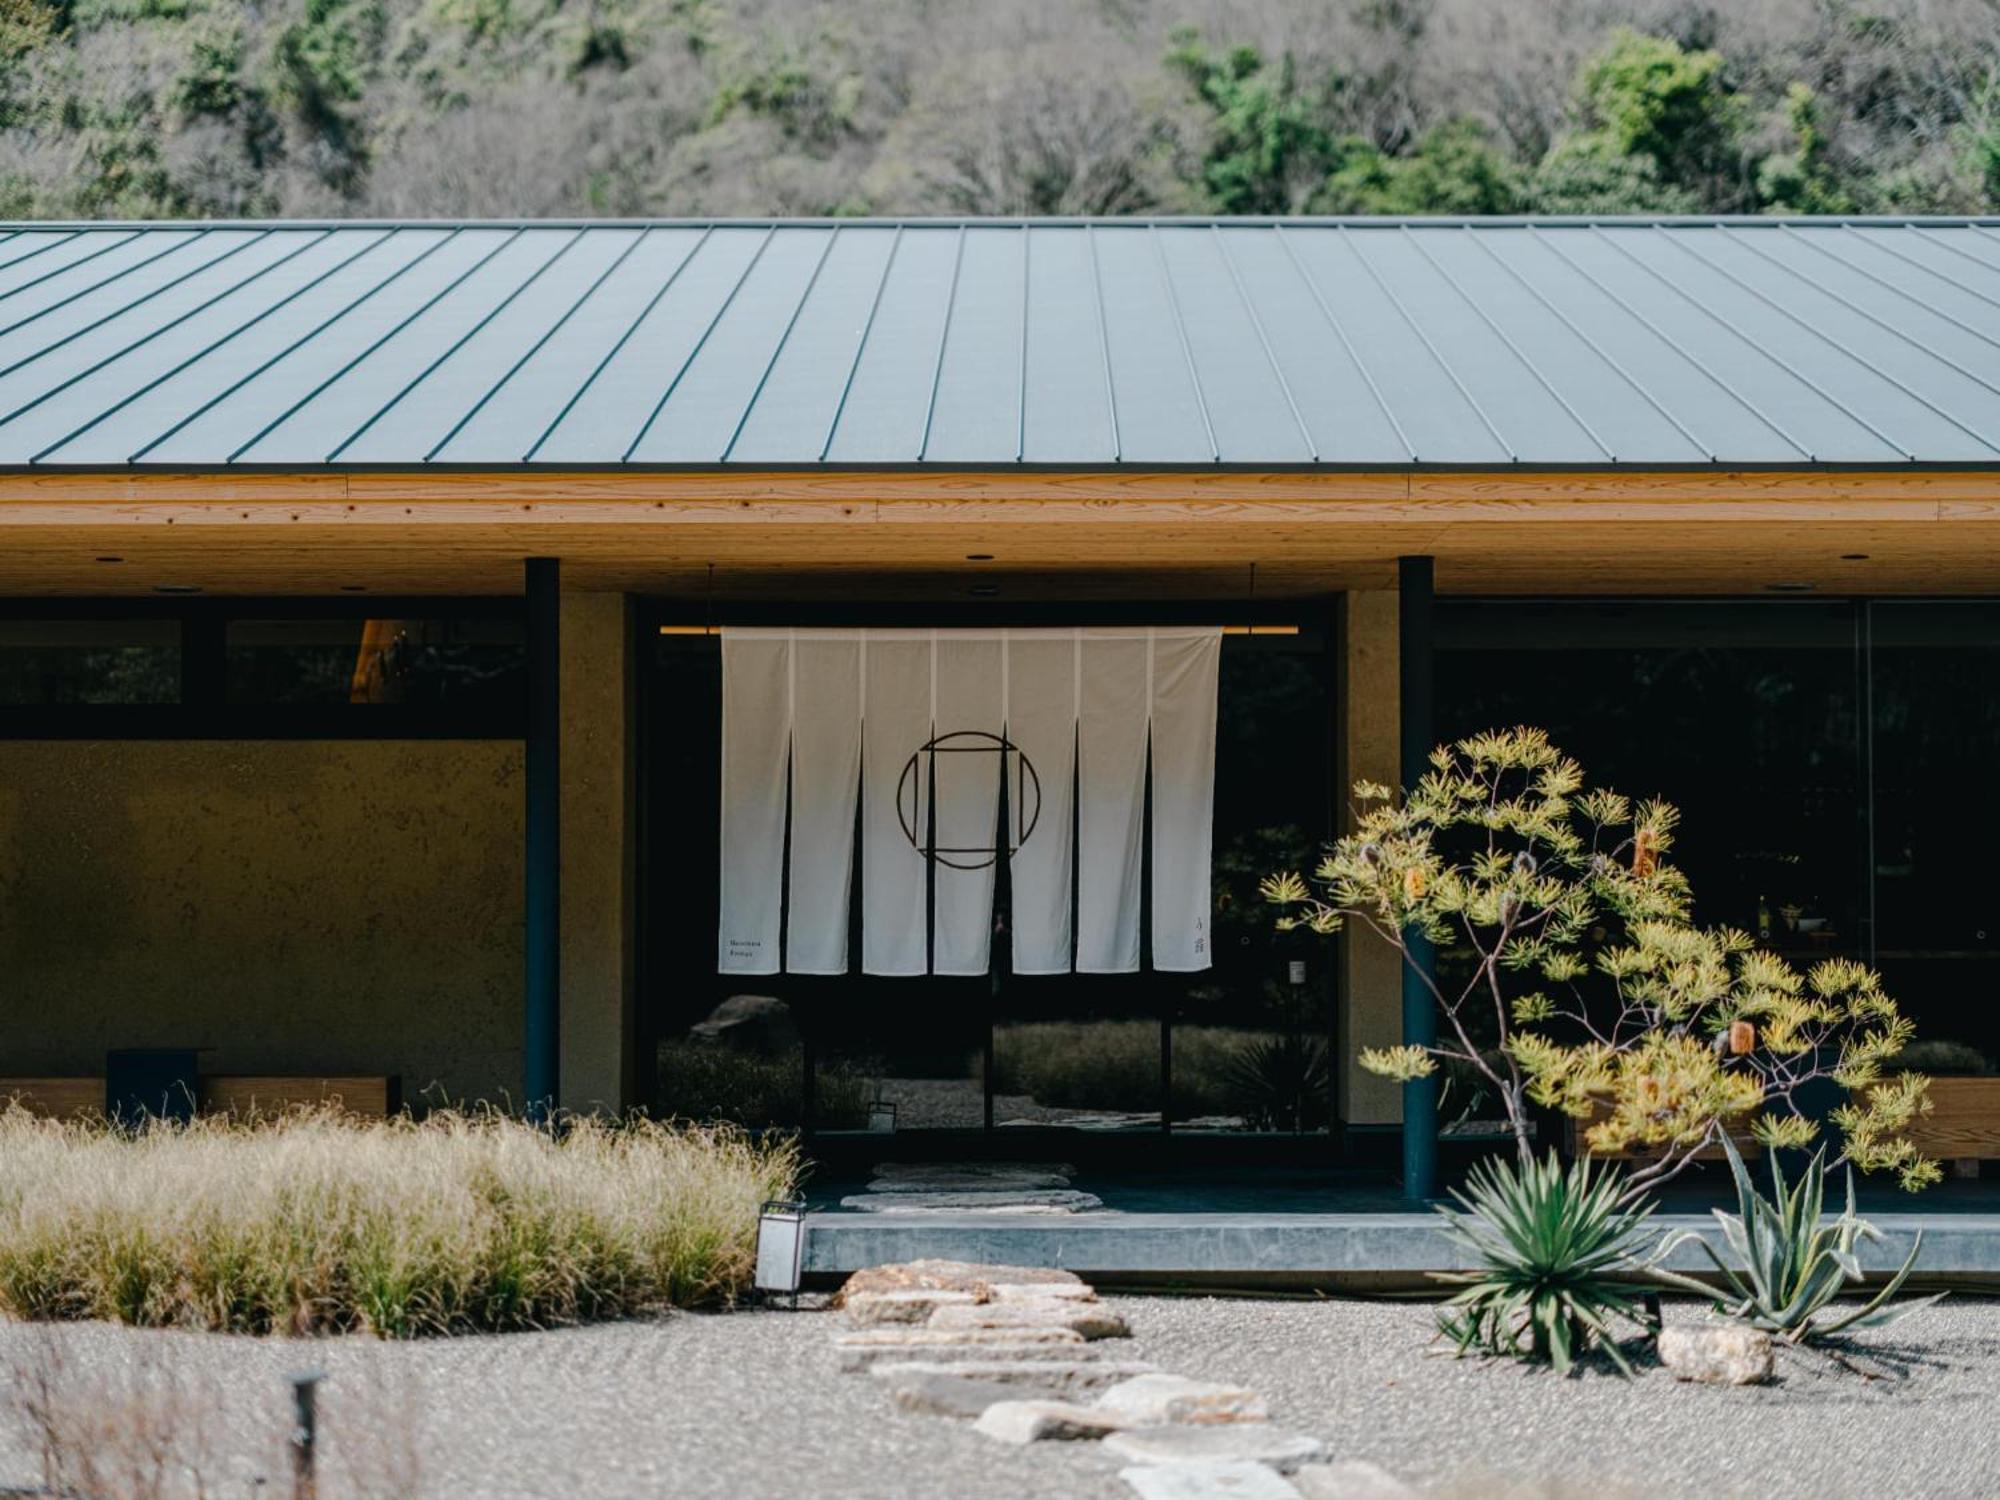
{"points": [[1420, 1095], [541, 1048]]}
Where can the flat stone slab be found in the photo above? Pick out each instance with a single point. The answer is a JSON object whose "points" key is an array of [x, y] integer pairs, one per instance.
{"points": [[983, 1281], [853, 1360], [1175, 1400], [1001, 1168], [1049, 1201], [1091, 1320], [868, 1309], [1059, 1374], [1353, 1479], [919, 1337], [1253, 1442], [954, 1395], [1046, 1421], [1041, 1291], [969, 1182], [1228, 1479]]}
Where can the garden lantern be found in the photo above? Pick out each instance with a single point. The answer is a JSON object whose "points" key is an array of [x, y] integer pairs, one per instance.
{"points": [[781, 1244], [882, 1117]]}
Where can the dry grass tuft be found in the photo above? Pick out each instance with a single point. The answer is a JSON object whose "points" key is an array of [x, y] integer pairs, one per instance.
{"points": [[315, 1222]]}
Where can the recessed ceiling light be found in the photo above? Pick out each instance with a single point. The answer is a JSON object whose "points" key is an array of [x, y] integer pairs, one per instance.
{"points": [[979, 557], [983, 590], [1790, 588], [111, 559], [177, 588], [1854, 557]]}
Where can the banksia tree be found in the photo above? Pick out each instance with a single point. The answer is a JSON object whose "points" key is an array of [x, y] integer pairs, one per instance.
{"points": [[1579, 983]]}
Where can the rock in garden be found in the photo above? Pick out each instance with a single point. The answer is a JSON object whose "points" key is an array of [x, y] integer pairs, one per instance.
{"points": [[950, 1276], [1041, 1291], [1050, 1201], [868, 1309], [1058, 1374], [1229, 1479], [907, 1337], [1720, 1354], [1046, 1421], [867, 1357], [1090, 1319], [953, 1395], [1173, 1400], [1355, 1479], [1255, 1442], [757, 1024]]}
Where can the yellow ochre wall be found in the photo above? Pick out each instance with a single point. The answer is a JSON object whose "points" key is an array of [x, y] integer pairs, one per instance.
{"points": [[299, 906]]}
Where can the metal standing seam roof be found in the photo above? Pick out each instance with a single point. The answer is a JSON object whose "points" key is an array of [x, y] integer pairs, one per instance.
{"points": [[1376, 343]]}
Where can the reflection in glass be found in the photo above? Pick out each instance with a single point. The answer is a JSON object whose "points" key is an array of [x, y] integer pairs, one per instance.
{"points": [[461, 662], [1937, 820], [1745, 716], [45, 662]]}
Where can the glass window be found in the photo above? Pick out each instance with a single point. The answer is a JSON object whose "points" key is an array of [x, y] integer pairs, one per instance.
{"points": [[1745, 716], [45, 662], [430, 662], [1250, 1041], [1937, 816]]}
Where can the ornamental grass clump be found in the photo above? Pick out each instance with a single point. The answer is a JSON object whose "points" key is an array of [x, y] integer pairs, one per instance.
{"points": [[315, 1222], [1570, 976]]}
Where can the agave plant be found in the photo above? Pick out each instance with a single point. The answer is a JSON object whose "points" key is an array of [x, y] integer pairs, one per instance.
{"points": [[1561, 1263], [1795, 1260]]}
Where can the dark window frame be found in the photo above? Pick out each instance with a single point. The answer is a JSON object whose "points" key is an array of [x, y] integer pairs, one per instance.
{"points": [[203, 712]]}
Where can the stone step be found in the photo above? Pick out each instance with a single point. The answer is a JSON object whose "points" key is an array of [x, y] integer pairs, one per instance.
{"points": [[956, 1396], [913, 1306], [1004, 1168], [853, 1360], [1059, 1374], [983, 1281], [970, 1182], [1175, 1400], [1042, 1201], [1046, 1421], [917, 1337], [1257, 1442], [1092, 1320], [1227, 1479]]}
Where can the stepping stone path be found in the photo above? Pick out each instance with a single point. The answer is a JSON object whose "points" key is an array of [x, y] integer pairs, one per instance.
{"points": [[1018, 1351], [957, 1187]]}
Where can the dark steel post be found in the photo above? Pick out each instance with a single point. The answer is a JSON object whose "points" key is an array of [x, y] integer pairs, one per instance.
{"points": [[1415, 582], [541, 1037]]}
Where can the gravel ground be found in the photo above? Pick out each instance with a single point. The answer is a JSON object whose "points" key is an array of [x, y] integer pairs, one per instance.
{"points": [[749, 1405]]}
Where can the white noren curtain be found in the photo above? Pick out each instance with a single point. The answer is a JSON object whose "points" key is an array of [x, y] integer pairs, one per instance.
{"points": [[952, 751]]}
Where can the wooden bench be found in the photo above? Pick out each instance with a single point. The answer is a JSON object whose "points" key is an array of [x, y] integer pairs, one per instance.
{"points": [[245, 1093], [226, 1093], [1963, 1126], [56, 1098]]}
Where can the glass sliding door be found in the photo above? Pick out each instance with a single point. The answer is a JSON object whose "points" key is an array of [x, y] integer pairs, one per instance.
{"points": [[1933, 669], [1745, 716]]}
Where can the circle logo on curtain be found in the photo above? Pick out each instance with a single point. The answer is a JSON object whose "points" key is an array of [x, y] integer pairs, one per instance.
{"points": [[966, 767]]}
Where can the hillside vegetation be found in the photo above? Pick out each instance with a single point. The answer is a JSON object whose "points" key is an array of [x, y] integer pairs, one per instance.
{"points": [[141, 108]]}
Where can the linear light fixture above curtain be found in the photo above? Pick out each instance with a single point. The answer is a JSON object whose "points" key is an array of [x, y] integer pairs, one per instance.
{"points": [[907, 735]]}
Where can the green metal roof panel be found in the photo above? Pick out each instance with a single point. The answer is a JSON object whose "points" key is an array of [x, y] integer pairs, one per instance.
{"points": [[1255, 343]]}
